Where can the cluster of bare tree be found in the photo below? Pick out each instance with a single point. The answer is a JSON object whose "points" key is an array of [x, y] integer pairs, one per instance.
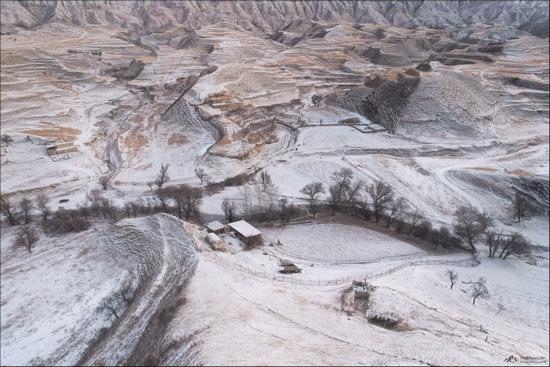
{"points": [[377, 202], [478, 288], [261, 202], [473, 226], [184, 200]]}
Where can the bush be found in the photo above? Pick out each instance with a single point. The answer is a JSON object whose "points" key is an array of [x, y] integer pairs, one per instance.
{"points": [[237, 180], [65, 221]]}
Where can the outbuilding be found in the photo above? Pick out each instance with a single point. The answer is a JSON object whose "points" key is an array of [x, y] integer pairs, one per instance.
{"points": [[247, 233], [215, 227]]}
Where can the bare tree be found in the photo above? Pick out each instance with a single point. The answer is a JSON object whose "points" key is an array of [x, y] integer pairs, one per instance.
{"points": [[415, 218], [514, 244], [201, 174], [111, 304], [494, 240], [342, 180], [312, 191], [381, 195], [162, 177], [25, 206], [187, 198], [353, 192], [479, 290], [396, 208], [128, 209], [9, 211], [470, 224], [265, 180], [42, 204], [453, 277], [26, 236], [229, 208], [246, 200], [522, 208], [6, 139]]}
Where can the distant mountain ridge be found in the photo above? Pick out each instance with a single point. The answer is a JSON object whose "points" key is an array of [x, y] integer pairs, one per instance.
{"points": [[146, 17]]}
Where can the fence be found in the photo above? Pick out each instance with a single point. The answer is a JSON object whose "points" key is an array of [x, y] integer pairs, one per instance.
{"points": [[369, 276]]}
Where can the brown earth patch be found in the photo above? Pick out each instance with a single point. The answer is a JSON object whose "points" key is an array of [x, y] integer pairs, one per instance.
{"points": [[135, 141], [54, 132], [520, 172], [487, 169], [177, 139]]}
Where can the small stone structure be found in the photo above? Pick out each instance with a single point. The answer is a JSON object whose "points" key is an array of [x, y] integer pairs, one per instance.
{"points": [[360, 289], [288, 267], [60, 147]]}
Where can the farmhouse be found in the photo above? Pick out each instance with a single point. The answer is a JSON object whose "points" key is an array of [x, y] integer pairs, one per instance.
{"points": [[247, 233]]}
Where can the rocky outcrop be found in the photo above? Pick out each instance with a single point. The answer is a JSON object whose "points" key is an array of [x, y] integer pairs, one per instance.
{"points": [[269, 17]]}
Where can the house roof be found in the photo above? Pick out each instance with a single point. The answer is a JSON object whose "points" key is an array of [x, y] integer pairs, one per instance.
{"points": [[245, 229], [215, 225]]}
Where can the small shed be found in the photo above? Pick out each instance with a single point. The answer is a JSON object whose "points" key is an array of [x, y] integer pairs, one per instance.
{"points": [[60, 147], [247, 233], [361, 289], [215, 227]]}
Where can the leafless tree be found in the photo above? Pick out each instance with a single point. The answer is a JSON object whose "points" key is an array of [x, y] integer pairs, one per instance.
{"points": [[111, 304], [42, 204], [265, 180], [25, 206], [514, 244], [522, 208], [312, 191], [9, 211], [479, 290], [395, 209], [246, 200], [95, 202], [470, 224], [162, 177], [187, 198], [342, 180], [494, 240], [381, 195], [229, 208], [415, 218], [453, 277], [134, 207], [6, 139], [128, 209], [353, 192], [26, 237], [84, 209], [201, 174]]}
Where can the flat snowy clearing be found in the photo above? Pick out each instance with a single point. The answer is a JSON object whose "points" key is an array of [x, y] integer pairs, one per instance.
{"points": [[338, 243]]}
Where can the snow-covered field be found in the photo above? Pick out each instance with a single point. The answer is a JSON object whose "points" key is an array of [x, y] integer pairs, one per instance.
{"points": [[284, 323], [51, 299], [47, 312], [338, 243]]}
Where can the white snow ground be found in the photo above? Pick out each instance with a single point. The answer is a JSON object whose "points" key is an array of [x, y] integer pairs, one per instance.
{"points": [[260, 321]]}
